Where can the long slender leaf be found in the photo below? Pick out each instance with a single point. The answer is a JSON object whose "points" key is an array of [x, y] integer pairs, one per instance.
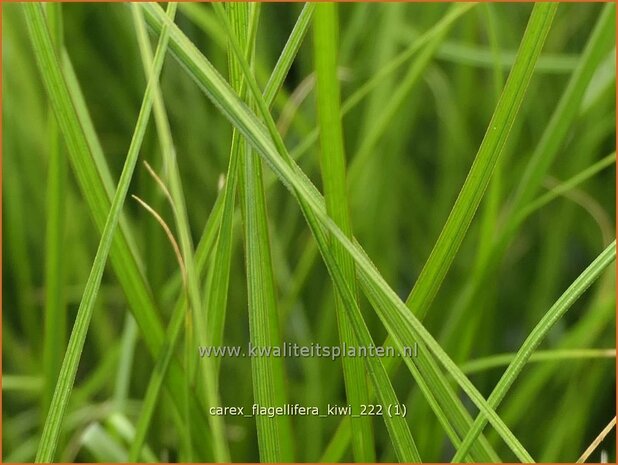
{"points": [[564, 187], [39, 33], [207, 242], [443, 253], [192, 275], [397, 427], [553, 315], [334, 178], [599, 44], [600, 40], [211, 232], [274, 434], [398, 433], [471, 193], [55, 307], [494, 361], [95, 182], [288, 53]]}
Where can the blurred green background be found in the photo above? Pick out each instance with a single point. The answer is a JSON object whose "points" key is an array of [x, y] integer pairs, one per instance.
{"points": [[402, 187]]}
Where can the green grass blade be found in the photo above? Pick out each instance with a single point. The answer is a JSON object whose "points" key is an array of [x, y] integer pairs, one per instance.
{"points": [[443, 253], [420, 44], [496, 361], [217, 297], [341, 439], [333, 163], [553, 315], [137, 294], [40, 35], [489, 216], [275, 82], [274, 434], [55, 307], [167, 351], [164, 360], [207, 243], [482, 57], [601, 40], [401, 438], [288, 53], [218, 288], [211, 232], [22, 383], [564, 187], [351, 102], [598, 318], [440, 28], [207, 367], [92, 140], [403, 443], [449, 399], [444, 402], [182, 225], [461, 215], [154, 386]]}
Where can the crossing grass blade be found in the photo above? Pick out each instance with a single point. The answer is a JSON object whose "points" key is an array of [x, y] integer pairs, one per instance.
{"points": [[442, 398], [470, 195], [398, 429], [192, 281], [218, 222], [564, 187], [333, 163], [421, 45], [495, 361], [40, 34], [289, 52], [275, 83], [275, 439], [601, 40], [404, 445], [96, 151], [211, 231], [407, 77], [554, 134], [400, 323], [401, 438], [452, 235], [553, 315], [94, 179]]}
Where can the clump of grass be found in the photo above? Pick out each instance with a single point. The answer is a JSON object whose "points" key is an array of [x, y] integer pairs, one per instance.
{"points": [[244, 231]]}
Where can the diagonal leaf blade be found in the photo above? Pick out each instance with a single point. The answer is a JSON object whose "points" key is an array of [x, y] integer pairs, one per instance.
{"points": [[40, 34], [332, 160]]}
